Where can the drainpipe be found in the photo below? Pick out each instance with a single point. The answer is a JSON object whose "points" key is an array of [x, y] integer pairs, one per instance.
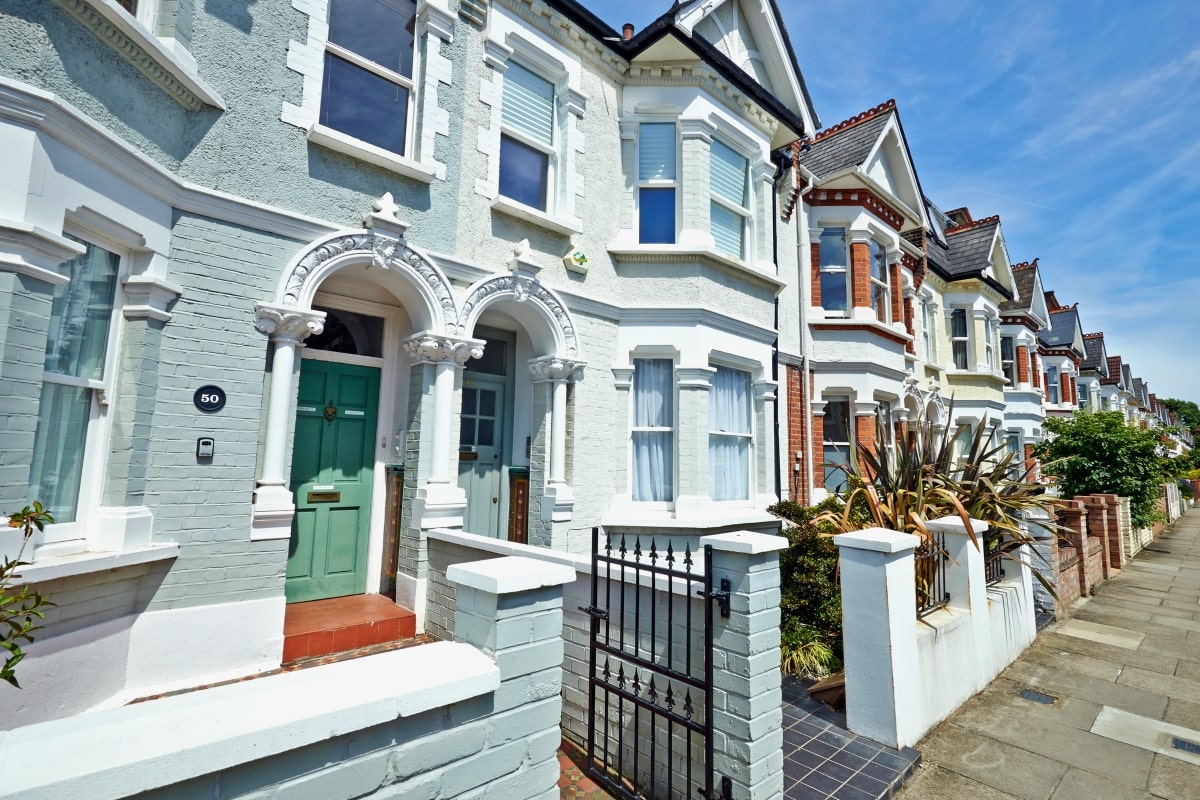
{"points": [[804, 254]]}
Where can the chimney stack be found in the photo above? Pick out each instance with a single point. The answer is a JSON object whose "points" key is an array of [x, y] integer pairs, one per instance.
{"points": [[627, 30]]}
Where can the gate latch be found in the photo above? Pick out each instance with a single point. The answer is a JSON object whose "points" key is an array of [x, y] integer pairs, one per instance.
{"points": [[722, 596], [726, 790], [598, 613]]}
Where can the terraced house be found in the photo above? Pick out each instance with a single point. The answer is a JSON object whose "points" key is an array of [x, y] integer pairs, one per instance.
{"points": [[488, 266]]}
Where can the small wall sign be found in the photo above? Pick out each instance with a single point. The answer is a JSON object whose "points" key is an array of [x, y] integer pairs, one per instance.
{"points": [[209, 398]]}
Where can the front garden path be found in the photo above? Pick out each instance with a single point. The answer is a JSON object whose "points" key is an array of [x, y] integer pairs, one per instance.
{"points": [[1104, 705]]}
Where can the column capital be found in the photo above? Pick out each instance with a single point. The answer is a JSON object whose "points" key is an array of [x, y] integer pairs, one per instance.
{"points": [[434, 348], [553, 368], [282, 323]]}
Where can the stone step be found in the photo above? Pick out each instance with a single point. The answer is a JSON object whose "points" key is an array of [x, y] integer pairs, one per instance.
{"points": [[339, 624]]}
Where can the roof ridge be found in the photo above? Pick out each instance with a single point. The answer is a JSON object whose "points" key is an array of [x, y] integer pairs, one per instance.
{"points": [[1025, 265], [1096, 335], [870, 113], [974, 224]]}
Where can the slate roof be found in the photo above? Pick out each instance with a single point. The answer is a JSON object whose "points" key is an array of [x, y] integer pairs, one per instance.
{"points": [[1127, 376], [1115, 377], [1095, 358], [1025, 278], [1061, 332], [971, 248], [835, 150]]}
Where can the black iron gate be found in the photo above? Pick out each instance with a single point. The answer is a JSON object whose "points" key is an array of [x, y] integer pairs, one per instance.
{"points": [[650, 709]]}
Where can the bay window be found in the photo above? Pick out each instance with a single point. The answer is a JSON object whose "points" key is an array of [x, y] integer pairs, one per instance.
{"points": [[730, 199], [653, 430], [881, 295], [527, 137], [926, 330], [989, 345], [729, 435], [77, 344], [835, 269], [367, 86], [1008, 362], [657, 182], [1053, 394], [960, 339], [837, 443]]}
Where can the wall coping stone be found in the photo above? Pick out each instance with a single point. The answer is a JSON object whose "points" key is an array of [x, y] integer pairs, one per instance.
{"points": [[123, 751], [951, 524], [745, 542], [880, 540], [509, 574]]}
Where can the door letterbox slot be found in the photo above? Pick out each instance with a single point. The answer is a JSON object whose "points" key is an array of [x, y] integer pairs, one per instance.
{"points": [[324, 497]]}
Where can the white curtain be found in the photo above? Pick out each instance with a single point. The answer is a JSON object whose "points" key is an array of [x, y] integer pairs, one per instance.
{"points": [[653, 429], [729, 435]]}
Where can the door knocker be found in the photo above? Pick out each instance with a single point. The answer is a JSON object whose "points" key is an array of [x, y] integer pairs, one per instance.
{"points": [[330, 411]]}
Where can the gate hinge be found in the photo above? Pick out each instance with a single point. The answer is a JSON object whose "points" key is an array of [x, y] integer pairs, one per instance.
{"points": [[598, 613], [726, 790], [722, 597]]}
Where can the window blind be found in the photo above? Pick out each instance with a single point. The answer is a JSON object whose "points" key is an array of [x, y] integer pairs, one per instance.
{"points": [[656, 151], [528, 105]]}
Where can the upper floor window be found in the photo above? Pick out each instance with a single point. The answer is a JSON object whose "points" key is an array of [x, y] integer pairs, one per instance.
{"points": [[989, 345], [881, 295], [657, 182], [367, 90], [527, 157], [730, 205], [838, 443], [729, 435], [1008, 363], [835, 267], [129, 5], [653, 430], [1052, 388], [960, 338], [926, 330], [76, 365]]}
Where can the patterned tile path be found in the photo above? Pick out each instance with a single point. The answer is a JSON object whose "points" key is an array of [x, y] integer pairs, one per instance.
{"points": [[824, 761], [573, 783]]}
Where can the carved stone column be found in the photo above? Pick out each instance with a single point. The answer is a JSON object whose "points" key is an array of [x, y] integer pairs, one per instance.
{"points": [[559, 499], [287, 329]]}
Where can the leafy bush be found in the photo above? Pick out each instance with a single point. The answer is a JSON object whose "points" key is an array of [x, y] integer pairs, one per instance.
{"points": [[1099, 453]]}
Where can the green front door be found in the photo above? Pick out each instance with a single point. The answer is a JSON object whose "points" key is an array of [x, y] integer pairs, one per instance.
{"points": [[481, 444], [332, 461]]}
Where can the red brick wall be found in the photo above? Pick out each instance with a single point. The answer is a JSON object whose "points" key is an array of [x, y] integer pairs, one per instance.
{"points": [[815, 271], [1097, 526], [797, 422], [897, 299], [908, 323], [1073, 519], [1031, 463], [1022, 364], [860, 274], [1065, 387]]}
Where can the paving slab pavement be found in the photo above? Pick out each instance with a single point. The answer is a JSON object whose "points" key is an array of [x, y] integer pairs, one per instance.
{"points": [[1104, 705]]}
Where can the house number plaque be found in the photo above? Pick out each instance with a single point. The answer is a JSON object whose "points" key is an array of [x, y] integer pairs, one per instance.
{"points": [[209, 399]]}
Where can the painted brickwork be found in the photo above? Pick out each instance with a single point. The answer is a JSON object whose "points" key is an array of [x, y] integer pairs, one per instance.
{"points": [[25, 305]]}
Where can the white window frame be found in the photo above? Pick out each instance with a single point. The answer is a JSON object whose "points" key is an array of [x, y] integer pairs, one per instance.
{"points": [[745, 212], [557, 81], [989, 344], [843, 270], [658, 183], [749, 436], [885, 416], [826, 442], [1053, 387], [1008, 366], [639, 355], [927, 328], [881, 285], [410, 84], [964, 340], [144, 11], [65, 537]]}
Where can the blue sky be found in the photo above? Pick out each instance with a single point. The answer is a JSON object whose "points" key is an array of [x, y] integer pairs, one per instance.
{"points": [[1078, 122]]}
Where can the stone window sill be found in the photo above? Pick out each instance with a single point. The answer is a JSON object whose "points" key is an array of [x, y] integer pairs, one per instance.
{"points": [[560, 225], [87, 562], [356, 148], [665, 253], [155, 59]]}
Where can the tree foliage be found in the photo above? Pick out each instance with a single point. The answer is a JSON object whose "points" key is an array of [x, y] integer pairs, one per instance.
{"points": [[19, 604], [1187, 412], [1099, 453]]}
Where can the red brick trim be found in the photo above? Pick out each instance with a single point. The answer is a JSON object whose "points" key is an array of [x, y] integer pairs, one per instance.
{"points": [[857, 197]]}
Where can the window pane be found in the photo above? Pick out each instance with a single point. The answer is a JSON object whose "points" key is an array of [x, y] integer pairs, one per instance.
{"points": [[960, 355], [833, 290], [57, 467], [653, 466], [837, 471], [727, 171], [833, 248], [523, 173], [1006, 348], [81, 315], [348, 332], [528, 104], [494, 360], [378, 30], [364, 105], [958, 323], [656, 151], [878, 262], [466, 432], [470, 401], [728, 230], [487, 431], [729, 401], [653, 393], [487, 402], [729, 467], [837, 421], [656, 216]]}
